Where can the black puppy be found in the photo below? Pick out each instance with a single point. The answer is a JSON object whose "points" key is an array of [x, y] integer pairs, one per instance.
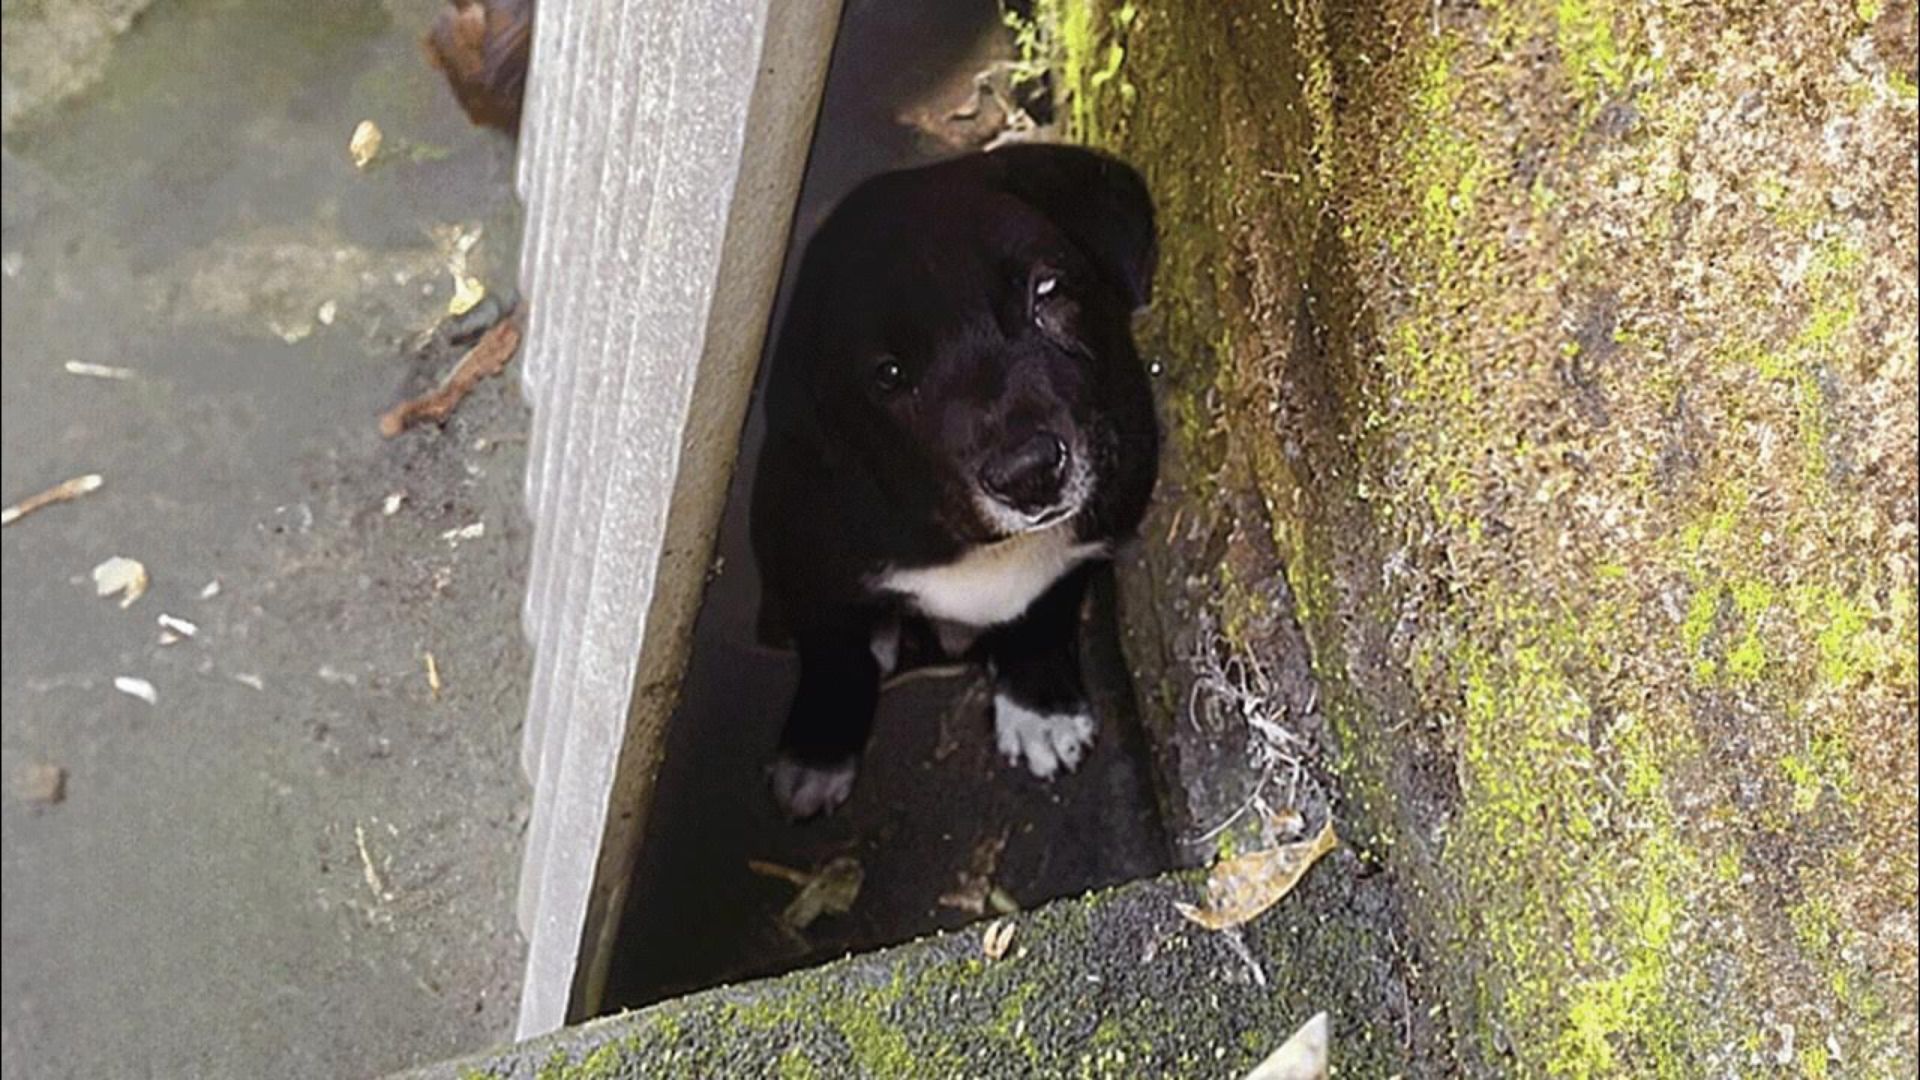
{"points": [[957, 426]]}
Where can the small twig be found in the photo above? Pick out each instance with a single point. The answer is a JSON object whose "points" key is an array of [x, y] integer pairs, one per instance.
{"points": [[1245, 805], [433, 676], [366, 865], [72, 489], [1238, 946], [487, 358], [798, 878]]}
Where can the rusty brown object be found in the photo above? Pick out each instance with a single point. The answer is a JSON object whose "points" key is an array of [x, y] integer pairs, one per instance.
{"points": [[487, 358], [61, 492], [482, 46]]}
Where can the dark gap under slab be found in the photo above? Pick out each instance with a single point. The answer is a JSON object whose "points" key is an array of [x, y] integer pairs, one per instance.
{"points": [[932, 792]]}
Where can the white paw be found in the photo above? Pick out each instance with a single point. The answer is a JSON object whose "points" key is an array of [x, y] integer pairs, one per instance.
{"points": [[806, 790], [1046, 743]]}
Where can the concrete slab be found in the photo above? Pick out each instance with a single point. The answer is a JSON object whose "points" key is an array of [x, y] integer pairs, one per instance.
{"points": [[1114, 984]]}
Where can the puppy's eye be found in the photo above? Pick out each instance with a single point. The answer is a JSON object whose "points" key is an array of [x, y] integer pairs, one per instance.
{"points": [[889, 376], [1052, 311]]}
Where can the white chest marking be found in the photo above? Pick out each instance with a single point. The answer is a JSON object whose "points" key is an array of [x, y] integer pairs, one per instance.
{"points": [[994, 584]]}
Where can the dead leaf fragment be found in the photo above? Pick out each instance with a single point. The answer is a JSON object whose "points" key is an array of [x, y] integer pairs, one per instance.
{"points": [[467, 291], [61, 492], [365, 144], [998, 936], [976, 881], [487, 358], [830, 890], [40, 784], [1240, 888], [1304, 1056], [122, 575]]}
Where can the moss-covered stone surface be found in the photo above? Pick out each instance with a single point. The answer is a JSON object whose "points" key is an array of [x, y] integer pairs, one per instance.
{"points": [[1114, 984], [1546, 373]]}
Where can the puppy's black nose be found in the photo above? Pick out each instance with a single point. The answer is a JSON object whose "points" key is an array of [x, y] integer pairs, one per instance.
{"points": [[1027, 477]]}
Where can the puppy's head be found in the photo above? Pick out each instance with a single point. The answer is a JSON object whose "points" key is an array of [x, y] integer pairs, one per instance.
{"points": [[964, 328]]}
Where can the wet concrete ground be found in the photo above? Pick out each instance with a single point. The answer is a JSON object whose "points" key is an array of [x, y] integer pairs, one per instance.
{"points": [[933, 801], [300, 860]]}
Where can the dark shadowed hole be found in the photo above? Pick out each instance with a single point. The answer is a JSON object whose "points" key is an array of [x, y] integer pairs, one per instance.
{"points": [[932, 793]]}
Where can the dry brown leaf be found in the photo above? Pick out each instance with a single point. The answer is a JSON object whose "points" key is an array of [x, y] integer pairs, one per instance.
{"points": [[1304, 1056], [1240, 888]]}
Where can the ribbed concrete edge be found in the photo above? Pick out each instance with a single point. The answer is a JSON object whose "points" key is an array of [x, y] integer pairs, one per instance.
{"points": [[664, 147], [1114, 984]]}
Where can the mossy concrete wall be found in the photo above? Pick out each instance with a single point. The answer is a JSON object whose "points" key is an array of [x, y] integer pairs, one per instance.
{"points": [[1562, 357]]}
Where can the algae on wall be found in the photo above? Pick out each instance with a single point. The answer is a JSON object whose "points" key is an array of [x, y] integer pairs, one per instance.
{"points": [[1567, 354]]}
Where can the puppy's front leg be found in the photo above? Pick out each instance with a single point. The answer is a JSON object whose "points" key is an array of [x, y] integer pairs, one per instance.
{"points": [[1041, 717], [831, 717]]}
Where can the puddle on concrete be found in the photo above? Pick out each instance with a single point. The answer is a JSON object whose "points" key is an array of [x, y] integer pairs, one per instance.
{"points": [[933, 796]]}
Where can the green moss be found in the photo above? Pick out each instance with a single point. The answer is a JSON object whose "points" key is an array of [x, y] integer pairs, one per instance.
{"points": [[1583, 29], [1605, 617], [796, 1065]]}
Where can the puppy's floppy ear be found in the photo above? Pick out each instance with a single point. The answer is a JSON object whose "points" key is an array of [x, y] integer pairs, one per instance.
{"points": [[1097, 200]]}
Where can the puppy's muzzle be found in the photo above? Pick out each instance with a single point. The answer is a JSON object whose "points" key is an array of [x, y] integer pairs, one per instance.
{"points": [[1029, 477]]}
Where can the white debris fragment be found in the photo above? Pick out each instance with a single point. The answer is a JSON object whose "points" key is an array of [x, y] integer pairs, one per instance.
{"points": [[134, 687], [326, 312], [120, 575], [210, 590], [248, 679], [1302, 1057], [99, 371], [465, 532], [391, 504], [364, 144], [179, 626]]}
